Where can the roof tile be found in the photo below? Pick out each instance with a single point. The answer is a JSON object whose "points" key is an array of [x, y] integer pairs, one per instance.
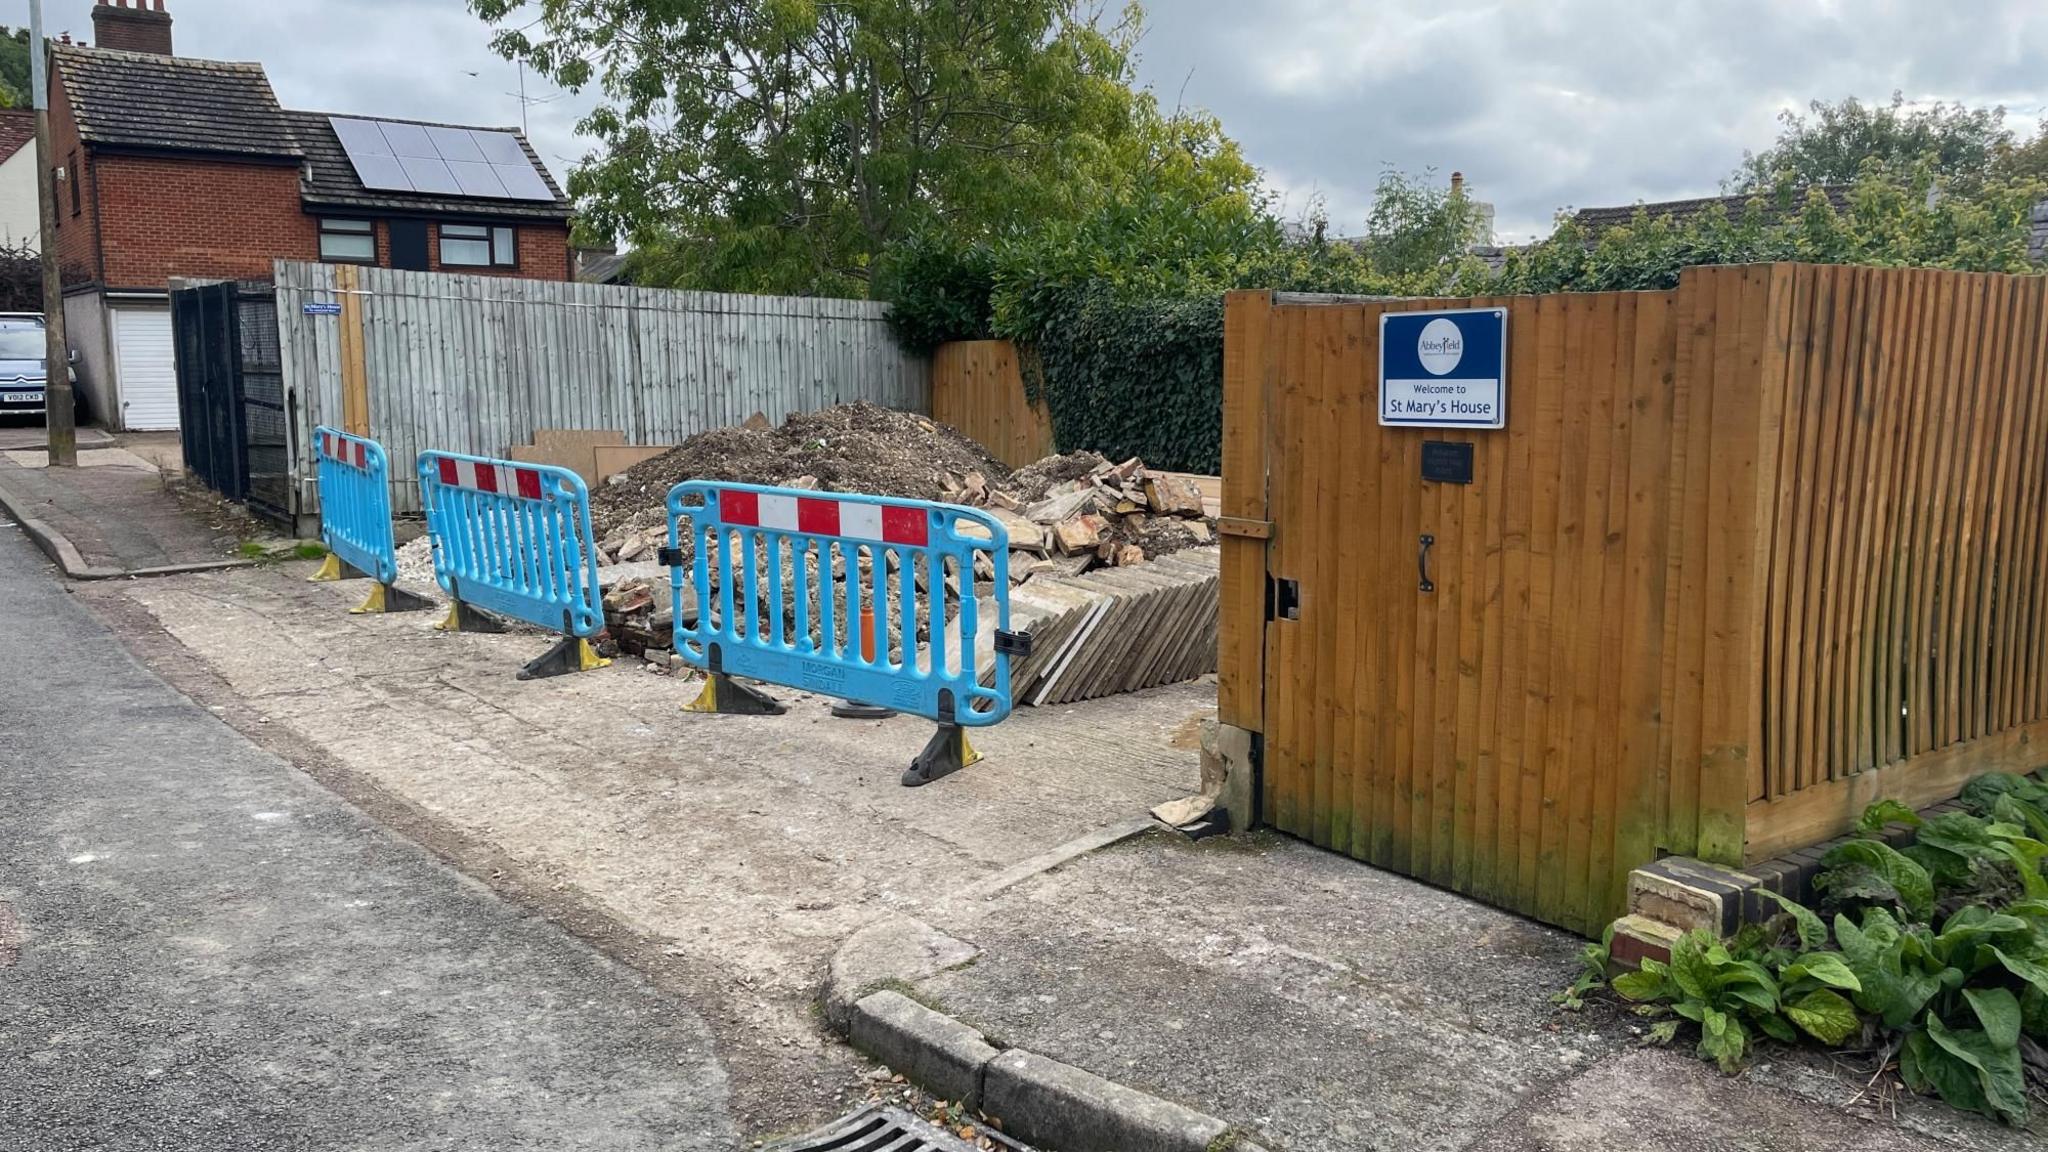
{"points": [[17, 129], [143, 100]]}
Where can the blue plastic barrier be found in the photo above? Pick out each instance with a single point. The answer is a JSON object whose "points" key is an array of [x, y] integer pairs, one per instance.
{"points": [[805, 589], [355, 517], [514, 539]]}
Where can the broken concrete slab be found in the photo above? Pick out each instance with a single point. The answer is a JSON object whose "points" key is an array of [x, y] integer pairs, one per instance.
{"points": [[895, 948]]}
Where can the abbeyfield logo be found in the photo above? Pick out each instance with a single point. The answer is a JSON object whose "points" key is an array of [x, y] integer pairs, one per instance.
{"points": [[1440, 347]]}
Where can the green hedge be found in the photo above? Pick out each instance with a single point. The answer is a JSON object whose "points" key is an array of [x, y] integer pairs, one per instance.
{"points": [[1134, 378]]}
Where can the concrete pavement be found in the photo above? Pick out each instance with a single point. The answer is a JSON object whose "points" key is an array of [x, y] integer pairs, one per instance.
{"points": [[201, 948]]}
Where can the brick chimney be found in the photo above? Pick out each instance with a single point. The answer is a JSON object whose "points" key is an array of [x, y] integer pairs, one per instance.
{"points": [[144, 27]]}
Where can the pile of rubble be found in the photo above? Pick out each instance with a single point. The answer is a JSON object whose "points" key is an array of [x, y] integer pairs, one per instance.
{"points": [[1066, 516], [1112, 515]]}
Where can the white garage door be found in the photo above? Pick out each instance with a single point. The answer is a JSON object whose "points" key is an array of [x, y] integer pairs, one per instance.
{"points": [[145, 370]]}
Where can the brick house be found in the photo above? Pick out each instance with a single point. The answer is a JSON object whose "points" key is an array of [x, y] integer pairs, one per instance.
{"points": [[168, 167]]}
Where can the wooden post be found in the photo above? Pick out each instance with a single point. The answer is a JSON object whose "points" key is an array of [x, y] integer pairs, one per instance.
{"points": [[1241, 639], [355, 382]]}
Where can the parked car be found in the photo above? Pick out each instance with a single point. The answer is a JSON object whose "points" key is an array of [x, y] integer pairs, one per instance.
{"points": [[23, 375]]}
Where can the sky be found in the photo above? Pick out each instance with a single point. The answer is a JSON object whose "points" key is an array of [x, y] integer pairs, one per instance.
{"points": [[1542, 104]]}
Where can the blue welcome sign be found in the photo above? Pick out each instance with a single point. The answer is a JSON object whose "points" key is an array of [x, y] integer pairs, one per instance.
{"points": [[1445, 369]]}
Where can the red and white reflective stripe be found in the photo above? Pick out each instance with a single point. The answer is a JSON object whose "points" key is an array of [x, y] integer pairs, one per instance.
{"points": [[824, 516], [480, 476], [336, 447]]}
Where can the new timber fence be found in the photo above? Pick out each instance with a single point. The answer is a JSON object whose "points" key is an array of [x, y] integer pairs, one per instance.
{"points": [[474, 364], [977, 387], [1747, 555]]}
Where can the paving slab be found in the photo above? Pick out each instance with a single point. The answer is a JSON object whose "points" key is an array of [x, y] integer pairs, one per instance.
{"points": [[115, 517], [1319, 1003], [22, 433]]}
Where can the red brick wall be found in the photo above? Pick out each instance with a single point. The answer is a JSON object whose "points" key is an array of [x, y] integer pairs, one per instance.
{"points": [[77, 243], [161, 217], [135, 29]]}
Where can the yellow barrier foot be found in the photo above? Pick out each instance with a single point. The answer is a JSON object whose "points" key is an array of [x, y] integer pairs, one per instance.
{"points": [[331, 569], [570, 654], [945, 753], [463, 618], [724, 694], [387, 598]]}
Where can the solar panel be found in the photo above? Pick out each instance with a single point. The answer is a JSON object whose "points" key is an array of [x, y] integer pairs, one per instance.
{"points": [[456, 144], [477, 179], [499, 147], [522, 182], [399, 157], [382, 172], [410, 140], [359, 137], [431, 175]]}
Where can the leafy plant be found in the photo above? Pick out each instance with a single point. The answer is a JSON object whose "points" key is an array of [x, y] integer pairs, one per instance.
{"points": [[1729, 990], [1593, 961], [1939, 952], [1875, 872]]}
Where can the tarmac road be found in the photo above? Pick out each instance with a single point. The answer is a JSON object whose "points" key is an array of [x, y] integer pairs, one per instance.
{"points": [[200, 948]]}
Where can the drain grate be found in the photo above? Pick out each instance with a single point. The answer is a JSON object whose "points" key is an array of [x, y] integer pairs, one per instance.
{"points": [[878, 1128]]}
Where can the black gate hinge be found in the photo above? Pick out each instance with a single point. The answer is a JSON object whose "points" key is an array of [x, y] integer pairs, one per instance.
{"points": [[1016, 644], [669, 557]]}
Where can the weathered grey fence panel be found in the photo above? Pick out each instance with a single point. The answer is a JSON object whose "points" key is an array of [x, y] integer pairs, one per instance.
{"points": [[478, 363]]}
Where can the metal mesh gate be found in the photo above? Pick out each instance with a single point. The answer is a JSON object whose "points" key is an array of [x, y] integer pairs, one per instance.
{"points": [[231, 403]]}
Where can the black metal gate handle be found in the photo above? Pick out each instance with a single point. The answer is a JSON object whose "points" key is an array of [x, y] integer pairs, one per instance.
{"points": [[1422, 562]]}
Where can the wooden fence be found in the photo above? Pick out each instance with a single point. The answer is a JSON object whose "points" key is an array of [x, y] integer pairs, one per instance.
{"points": [[478, 363], [977, 388], [1748, 554]]}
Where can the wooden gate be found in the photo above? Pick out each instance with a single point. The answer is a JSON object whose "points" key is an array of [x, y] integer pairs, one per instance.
{"points": [[1498, 734], [1747, 554]]}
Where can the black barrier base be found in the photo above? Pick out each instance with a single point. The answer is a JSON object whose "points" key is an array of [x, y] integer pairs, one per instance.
{"points": [[390, 598], [570, 654], [466, 618], [855, 710], [724, 694], [945, 753]]}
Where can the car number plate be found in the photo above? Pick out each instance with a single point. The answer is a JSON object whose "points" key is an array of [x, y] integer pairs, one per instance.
{"points": [[20, 397]]}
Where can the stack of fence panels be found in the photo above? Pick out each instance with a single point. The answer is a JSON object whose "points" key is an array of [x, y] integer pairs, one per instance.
{"points": [[1116, 629]]}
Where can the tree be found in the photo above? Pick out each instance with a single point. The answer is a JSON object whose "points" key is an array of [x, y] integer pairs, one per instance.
{"points": [[2024, 161], [1419, 230], [14, 67], [1892, 218], [1834, 144], [786, 145]]}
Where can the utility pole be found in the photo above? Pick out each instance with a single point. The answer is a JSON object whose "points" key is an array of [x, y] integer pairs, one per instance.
{"points": [[57, 404]]}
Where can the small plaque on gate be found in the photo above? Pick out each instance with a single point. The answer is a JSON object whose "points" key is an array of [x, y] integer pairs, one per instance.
{"points": [[1446, 462]]}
